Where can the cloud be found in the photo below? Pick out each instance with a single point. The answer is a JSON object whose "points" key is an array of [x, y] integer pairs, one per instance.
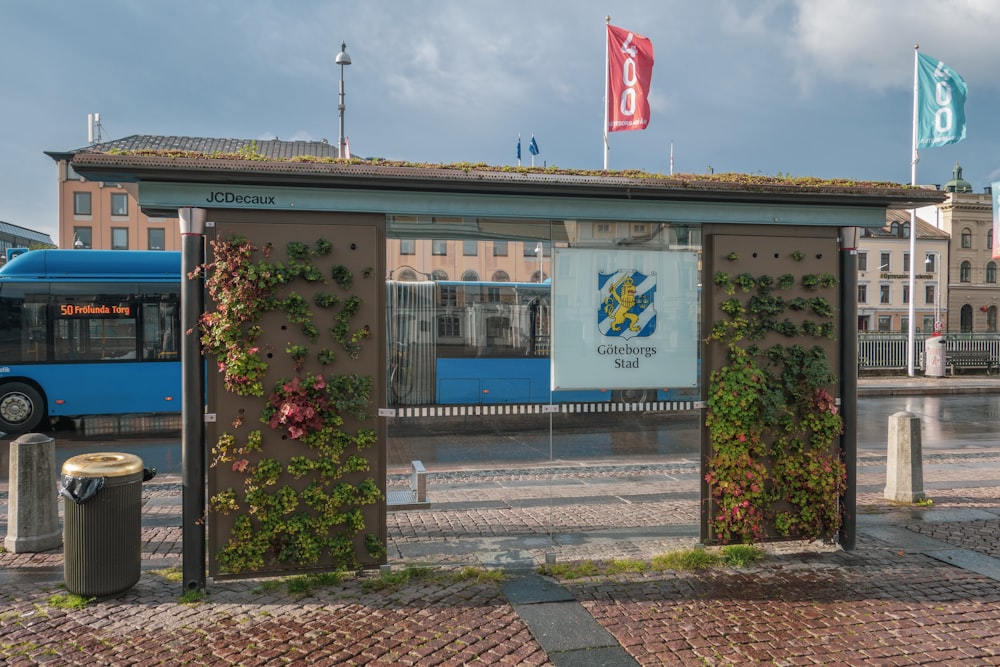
{"points": [[870, 44]]}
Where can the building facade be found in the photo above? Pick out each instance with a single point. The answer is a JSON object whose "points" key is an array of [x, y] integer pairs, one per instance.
{"points": [[884, 276], [973, 290]]}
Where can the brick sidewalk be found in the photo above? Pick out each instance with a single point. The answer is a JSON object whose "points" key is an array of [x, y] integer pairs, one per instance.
{"points": [[897, 599]]}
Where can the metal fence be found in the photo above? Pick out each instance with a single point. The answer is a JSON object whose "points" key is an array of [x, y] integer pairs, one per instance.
{"points": [[887, 351]]}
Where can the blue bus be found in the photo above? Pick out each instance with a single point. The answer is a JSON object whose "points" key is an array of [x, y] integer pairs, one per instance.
{"points": [[88, 332]]}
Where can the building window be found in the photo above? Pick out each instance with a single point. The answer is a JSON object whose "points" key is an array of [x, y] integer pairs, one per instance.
{"points": [[906, 293], [991, 272], [470, 276], [119, 203], [470, 248], [989, 239], [906, 262], [862, 261], [81, 203], [82, 238], [965, 319], [883, 294], [439, 247], [862, 293], [991, 319], [965, 272], [500, 249], [407, 247], [966, 238], [884, 263], [603, 229], [501, 277], [448, 326], [929, 294], [885, 323], [449, 295], [438, 274], [119, 238], [906, 230], [156, 238]]}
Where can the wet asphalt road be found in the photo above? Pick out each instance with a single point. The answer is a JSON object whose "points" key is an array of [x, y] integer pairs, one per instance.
{"points": [[966, 422]]}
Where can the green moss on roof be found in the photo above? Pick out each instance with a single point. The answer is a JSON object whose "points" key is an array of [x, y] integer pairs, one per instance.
{"points": [[250, 153]]}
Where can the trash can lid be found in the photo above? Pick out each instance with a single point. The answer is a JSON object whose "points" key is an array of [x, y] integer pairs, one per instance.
{"points": [[104, 464]]}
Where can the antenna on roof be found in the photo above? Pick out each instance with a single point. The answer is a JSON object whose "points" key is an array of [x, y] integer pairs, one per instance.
{"points": [[94, 128]]}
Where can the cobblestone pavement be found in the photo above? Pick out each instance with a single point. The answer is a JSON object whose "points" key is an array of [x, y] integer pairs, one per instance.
{"points": [[922, 586]]}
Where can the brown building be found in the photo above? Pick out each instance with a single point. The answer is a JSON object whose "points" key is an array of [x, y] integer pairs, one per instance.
{"points": [[104, 215]]}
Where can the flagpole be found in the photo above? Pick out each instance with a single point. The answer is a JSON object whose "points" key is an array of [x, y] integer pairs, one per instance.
{"points": [[607, 83], [911, 325]]}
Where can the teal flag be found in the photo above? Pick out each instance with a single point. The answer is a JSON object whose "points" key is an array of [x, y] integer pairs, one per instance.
{"points": [[940, 103]]}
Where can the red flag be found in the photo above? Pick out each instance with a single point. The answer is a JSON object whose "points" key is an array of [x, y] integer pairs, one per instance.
{"points": [[630, 69]]}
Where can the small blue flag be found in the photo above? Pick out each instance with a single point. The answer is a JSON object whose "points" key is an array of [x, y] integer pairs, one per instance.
{"points": [[519, 147], [533, 146]]}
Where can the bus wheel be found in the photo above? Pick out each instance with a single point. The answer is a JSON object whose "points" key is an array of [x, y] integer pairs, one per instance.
{"points": [[21, 408], [630, 396]]}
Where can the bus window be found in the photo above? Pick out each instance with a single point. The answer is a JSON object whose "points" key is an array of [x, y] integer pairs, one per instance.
{"points": [[22, 324], [160, 326], [33, 332], [95, 338]]}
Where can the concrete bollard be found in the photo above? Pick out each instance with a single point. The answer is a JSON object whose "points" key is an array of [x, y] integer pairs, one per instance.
{"points": [[33, 496], [904, 465]]}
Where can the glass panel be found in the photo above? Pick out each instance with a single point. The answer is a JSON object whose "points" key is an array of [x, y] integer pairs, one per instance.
{"points": [[157, 238], [119, 203], [82, 238], [119, 238], [468, 366], [81, 203]]}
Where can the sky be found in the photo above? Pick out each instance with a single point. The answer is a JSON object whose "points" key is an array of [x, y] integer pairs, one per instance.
{"points": [[819, 88]]}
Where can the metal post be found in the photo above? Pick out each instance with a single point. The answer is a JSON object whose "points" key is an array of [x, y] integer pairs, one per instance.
{"points": [[342, 59], [193, 452], [849, 379]]}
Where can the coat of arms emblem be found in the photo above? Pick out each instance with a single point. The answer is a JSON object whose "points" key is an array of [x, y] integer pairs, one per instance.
{"points": [[626, 304]]}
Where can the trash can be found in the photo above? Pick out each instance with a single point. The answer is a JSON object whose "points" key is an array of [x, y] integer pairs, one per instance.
{"points": [[934, 356], [102, 522]]}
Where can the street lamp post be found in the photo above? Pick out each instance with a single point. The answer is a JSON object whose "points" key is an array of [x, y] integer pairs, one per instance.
{"points": [[342, 59], [538, 251], [931, 266]]}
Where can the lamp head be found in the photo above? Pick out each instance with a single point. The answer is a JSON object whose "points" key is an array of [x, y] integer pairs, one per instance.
{"points": [[342, 57]]}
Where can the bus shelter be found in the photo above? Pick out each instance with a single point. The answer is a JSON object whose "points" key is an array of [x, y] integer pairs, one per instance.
{"points": [[352, 303]]}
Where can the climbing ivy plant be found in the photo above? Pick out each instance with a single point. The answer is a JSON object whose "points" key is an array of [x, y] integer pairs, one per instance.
{"points": [[771, 419], [274, 522]]}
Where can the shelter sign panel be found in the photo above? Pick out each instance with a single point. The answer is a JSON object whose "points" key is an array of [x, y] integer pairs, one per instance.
{"points": [[624, 319]]}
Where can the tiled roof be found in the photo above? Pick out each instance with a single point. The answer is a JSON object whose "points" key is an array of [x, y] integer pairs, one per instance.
{"points": [[925, 230], [272, 149]]}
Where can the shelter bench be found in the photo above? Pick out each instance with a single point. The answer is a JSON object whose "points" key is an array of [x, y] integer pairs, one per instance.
{"points": [[416, 496], [963, 359]]}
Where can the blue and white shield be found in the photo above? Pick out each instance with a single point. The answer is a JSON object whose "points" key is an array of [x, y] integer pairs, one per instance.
{"points": [[626, 304]]}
